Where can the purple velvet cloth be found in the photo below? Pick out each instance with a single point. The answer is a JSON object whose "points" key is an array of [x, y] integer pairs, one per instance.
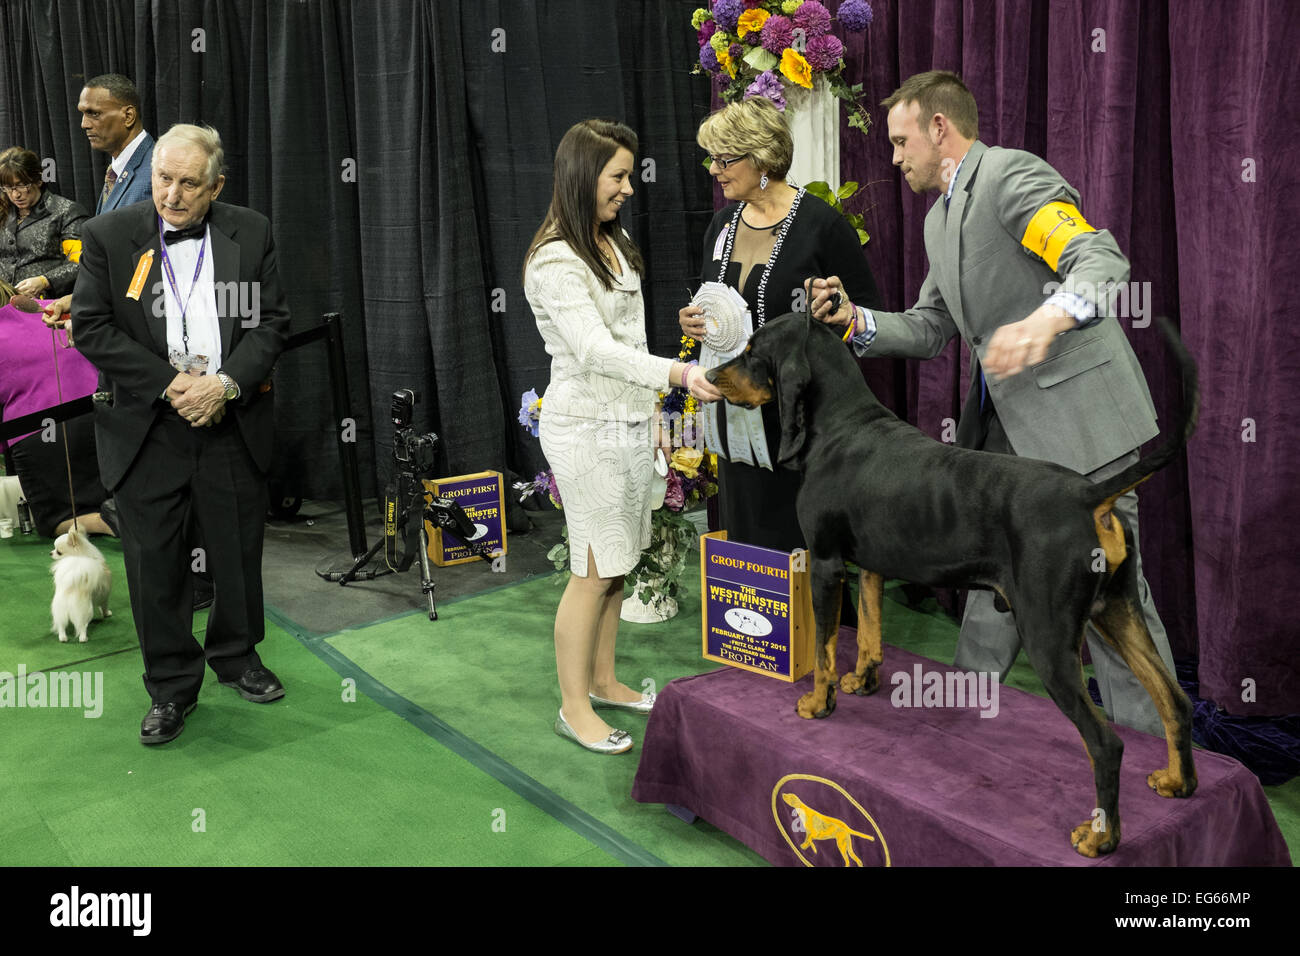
{"points": [[941, 786], [1156, 133], [27, 364]]}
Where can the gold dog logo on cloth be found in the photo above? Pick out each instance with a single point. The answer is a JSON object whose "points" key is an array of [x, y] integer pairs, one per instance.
{"points": [[807, 817]]}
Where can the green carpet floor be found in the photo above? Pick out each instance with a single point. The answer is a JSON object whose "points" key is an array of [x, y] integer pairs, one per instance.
{"points": [[308, 780], [444, 755]]}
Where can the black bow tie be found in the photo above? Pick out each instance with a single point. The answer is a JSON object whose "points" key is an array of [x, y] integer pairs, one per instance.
{"points": [[190, 232]]}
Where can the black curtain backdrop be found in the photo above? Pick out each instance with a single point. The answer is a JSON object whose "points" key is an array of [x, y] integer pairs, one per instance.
{"points": [[403, 150]]}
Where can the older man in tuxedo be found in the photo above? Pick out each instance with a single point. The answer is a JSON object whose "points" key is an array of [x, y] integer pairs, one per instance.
{"points": [[179, 305], [1021, 275]]}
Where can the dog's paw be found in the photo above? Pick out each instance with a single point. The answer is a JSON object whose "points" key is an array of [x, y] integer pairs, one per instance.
{"points": [[810, 707], [861, 684], [1093, 843], [63, 638], [1169, 784], [804, 708], [82, 639]]}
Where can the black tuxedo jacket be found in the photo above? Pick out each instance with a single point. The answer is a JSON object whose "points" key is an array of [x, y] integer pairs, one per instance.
{"points": [[126, 339]]}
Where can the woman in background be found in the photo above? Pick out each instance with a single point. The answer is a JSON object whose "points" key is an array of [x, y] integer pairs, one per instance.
{"points": [[582, 278], [40, 232], [768, 239]]}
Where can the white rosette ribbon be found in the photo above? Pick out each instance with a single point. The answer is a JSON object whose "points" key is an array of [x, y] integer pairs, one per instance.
{"points": [[727, 327]]}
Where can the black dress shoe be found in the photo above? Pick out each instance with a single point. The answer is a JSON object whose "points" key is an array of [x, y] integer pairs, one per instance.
{"points": [[258, 685], [164, 722], [108, 514], [203, 593]]}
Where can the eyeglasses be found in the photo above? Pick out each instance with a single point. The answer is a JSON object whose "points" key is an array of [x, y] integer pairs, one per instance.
{"points": [[20, 188], [724, 163]]}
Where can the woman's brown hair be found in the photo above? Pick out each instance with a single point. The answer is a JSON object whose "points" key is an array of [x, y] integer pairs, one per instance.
{"points": [[17, 166], [579, 159]]}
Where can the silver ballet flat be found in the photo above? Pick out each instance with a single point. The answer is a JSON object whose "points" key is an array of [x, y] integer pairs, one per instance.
{"points": [[642, 706], [617, 742]]}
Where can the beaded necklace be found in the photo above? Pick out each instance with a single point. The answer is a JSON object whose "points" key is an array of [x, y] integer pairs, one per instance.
{"points": [[771, 259]]}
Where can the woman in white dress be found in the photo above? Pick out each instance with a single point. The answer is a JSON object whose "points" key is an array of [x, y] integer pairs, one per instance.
{"points": [[582, 277]]}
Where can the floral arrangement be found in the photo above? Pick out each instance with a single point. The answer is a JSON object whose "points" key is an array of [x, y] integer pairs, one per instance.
{"points": [[769, 47], [691, 481]]}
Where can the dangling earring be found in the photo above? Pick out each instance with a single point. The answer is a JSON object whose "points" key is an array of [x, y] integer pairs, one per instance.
{"points": [[762, 183]]}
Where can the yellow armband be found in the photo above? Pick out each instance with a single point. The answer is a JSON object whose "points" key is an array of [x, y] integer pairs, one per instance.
{"points": [[72, 250], [1052, 228]]}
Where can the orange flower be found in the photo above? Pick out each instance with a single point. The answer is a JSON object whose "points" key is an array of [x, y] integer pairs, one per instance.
{"points": [[795, 68], [751, 20]]}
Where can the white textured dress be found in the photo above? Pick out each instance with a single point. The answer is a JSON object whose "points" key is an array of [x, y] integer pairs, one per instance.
{"points": [[596, 413]]}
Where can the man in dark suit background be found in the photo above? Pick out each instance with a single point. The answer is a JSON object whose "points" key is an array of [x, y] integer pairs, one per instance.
{"points": [[179, 305], [1019, 273], [110, 114]]}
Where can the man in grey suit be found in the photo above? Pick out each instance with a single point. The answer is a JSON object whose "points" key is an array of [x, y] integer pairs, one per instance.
{"points": [[1019, 273], [110, 114]]}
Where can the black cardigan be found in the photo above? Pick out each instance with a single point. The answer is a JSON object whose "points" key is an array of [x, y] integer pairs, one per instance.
{"points": [[756, 506]]}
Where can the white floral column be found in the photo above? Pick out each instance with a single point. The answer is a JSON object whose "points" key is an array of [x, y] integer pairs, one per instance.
{"points": [[814, 120]]}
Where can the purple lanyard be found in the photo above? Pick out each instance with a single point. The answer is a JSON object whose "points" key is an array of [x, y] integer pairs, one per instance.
{"points": [[171, 280]]}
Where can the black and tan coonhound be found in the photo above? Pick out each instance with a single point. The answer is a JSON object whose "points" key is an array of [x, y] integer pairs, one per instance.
{"points": [[882, 494]]}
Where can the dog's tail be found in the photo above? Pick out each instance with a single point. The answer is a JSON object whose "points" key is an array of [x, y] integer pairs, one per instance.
{"points": [[1176, 437]]}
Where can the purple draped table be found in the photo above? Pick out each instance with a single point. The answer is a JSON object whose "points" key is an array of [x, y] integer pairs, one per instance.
{"points": [[928, 786]]}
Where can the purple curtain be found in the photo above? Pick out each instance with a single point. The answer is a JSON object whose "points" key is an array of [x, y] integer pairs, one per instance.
{"points": [[1177, 125]]}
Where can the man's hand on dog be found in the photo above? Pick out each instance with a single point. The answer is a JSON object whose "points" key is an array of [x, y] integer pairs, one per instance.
{"points": [[819, 293], [199, 399], [1017, 346]]}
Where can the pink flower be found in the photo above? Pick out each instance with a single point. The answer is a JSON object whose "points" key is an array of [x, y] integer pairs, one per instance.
{"points": [[674, 497], [824, 52], [813, 18], [778, 33]]}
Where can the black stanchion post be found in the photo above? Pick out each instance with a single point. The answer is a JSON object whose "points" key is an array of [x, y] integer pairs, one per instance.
{"points": [[347, 450]]}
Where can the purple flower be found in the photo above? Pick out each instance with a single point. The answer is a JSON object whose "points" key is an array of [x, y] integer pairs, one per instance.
{"points": [[778, 33], [736, 51], [727, 12], [854, 15], [752, 38], [813, 19], [823, 53], [527, 412], [674, 497], [707, 29], [548, 477], [709, 59], [766, 84]]}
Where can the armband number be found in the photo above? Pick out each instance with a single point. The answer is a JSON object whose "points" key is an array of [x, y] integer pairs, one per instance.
{"points": [[1052, 228]]}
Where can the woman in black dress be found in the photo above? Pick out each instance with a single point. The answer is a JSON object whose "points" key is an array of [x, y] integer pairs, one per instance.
{"points": [[768, 239]]}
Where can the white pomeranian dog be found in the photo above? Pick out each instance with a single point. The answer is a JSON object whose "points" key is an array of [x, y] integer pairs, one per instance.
{"points": [[82, 582]]}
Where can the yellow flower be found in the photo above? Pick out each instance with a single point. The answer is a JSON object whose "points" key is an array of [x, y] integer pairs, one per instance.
{"points": [[751, 20], [788, 7], [724, 58], [687, 461], [795, 68]]}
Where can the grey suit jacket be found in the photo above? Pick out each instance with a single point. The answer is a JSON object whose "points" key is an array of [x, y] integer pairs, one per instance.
{"points": [[1087, 403]]}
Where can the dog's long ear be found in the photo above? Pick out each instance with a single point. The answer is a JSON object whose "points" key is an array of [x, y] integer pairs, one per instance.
{"points": [[792, 379]]}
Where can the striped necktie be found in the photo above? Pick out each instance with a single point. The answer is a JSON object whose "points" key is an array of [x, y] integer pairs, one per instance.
{"points": [[110, 180]]}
